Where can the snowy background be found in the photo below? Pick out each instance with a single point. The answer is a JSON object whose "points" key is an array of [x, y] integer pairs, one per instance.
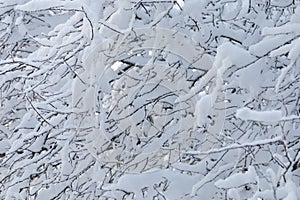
{"points": [[150, 99]]}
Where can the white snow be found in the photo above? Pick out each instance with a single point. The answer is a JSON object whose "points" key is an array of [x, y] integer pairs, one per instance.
{"points": [[203, 109], [265, 116], [4, 146], [269, 44], [238, 179], [39, 5]]}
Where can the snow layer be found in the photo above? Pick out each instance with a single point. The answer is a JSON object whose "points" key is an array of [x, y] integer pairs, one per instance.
{"points": [[238, 179], [265, 116]]}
